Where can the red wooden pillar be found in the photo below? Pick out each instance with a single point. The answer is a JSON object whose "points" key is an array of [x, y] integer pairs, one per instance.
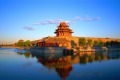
{"points": [[49, 44], [40, 44], [37, 44], [43, 44]]}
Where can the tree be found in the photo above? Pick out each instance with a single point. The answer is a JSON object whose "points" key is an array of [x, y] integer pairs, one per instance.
{"points": [[23, 44], [82, 41], [32, 43], [101, 44], [89, 42], [96, 43], [107, 44], [27, 43], [20, 44]]}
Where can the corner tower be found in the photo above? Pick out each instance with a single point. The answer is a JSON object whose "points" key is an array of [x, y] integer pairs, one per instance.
{"points": [[63, 30]]}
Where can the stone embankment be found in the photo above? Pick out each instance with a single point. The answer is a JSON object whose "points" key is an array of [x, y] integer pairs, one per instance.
{"points": [[95, 49], [48, 49]]}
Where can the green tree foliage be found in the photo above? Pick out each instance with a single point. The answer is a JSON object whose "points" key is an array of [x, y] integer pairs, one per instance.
{"points": [[82, 42], [27, 43], [32, 43], [96, 43], [23, 44], [89, 42], [20, 44], [107, 44], [112, 44], [101, 44]]}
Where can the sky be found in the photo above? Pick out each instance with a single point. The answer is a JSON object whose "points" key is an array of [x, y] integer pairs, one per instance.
{"points": [[35, 19]]}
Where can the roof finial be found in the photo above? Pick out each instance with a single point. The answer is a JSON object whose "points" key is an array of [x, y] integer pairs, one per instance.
{"points": [[63, 24]]}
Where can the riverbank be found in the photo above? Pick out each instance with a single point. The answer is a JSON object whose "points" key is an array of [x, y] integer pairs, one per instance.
{"points": [[23, 48], [60, 49], [94, 49]]}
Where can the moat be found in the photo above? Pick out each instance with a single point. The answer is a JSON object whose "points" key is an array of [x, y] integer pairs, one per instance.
{"points": [[18, 64]]}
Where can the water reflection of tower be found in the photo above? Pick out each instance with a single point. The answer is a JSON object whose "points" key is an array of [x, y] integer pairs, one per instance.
{"points": [[64, 71], [62, 65]]}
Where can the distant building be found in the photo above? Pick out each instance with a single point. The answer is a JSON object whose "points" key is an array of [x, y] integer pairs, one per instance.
{"points": [[53, 42], [63, 30], [21, 40], [64, 38]]}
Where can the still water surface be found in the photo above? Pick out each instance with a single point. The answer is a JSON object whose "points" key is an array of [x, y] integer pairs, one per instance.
{"points": [[18, 64]]}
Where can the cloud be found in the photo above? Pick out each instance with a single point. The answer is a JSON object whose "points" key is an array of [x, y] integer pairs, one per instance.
{"points": [[36, 23], [92, 19], [28, 28], [69, 22], [88, 19], [97, 18], [51, 21], [78, 18], [58, 21], [40, 23], [43, 23]]}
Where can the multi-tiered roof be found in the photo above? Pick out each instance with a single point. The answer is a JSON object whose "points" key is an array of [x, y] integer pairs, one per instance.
{"points": [[63, 30]]}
